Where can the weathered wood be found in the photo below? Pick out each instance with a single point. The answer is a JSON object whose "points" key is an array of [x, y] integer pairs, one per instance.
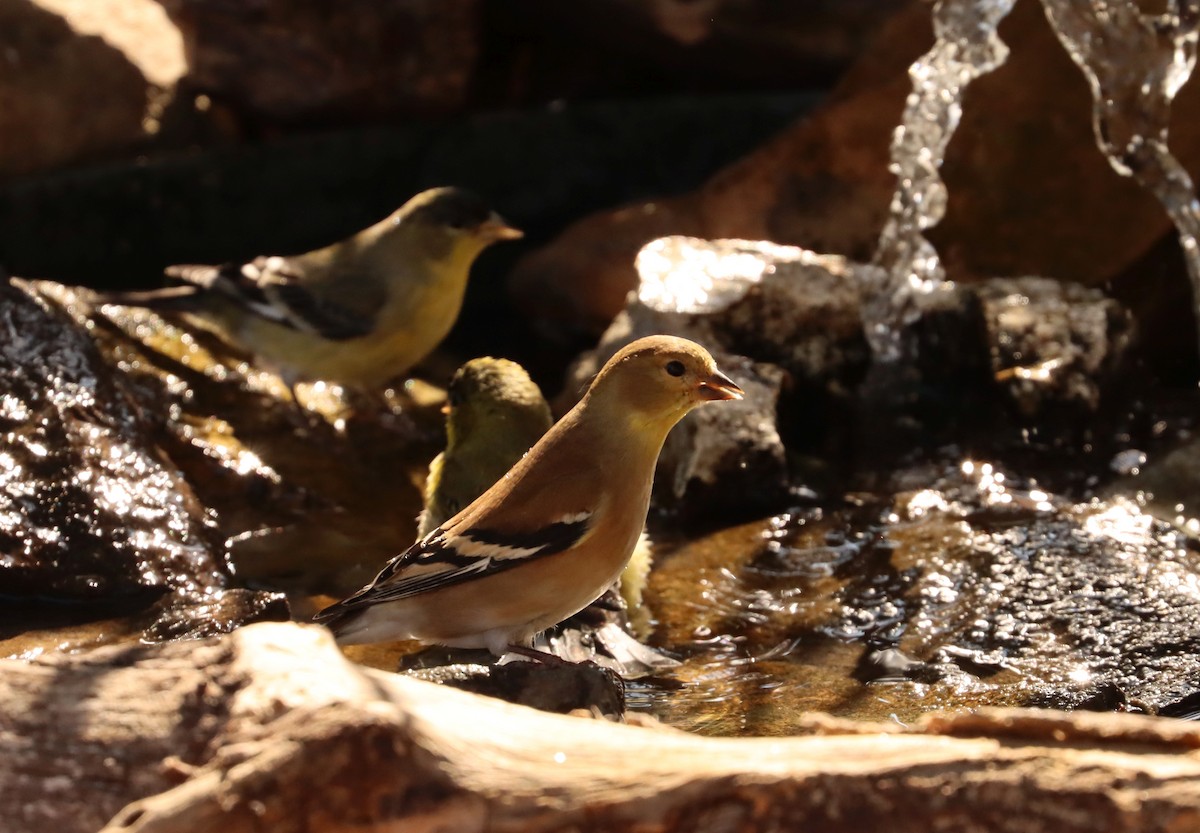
{"points": [[269, 728]]}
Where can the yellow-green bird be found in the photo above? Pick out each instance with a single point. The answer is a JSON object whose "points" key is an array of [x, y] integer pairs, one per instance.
{"points": [[494, 414], [359, 312]]}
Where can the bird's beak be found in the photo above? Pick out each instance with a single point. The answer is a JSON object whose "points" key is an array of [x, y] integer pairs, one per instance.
{"points": [[494, 228], [718, 386]]}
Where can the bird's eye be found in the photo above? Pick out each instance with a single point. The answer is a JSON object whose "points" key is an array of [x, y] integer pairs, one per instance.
{"points": [[454, 397], [675, 368]]}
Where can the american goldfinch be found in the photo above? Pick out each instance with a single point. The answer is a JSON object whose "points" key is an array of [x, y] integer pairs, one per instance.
{"points": [[358, 312], [494, 414], [555, 532]]}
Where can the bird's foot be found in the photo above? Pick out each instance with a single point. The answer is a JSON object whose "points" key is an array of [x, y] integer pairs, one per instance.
{"points": [[539, 656]]}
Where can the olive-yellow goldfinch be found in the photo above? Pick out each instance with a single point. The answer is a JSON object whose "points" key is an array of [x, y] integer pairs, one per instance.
{"points": [[359, 312], [494, 414], [555, 532]]}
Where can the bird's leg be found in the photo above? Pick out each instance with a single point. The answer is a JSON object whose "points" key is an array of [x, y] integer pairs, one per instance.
{"points": [[538, 656], [305, 420]]}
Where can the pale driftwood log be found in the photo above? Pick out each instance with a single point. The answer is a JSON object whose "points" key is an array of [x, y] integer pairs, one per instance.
{"points": [[270, 729]]}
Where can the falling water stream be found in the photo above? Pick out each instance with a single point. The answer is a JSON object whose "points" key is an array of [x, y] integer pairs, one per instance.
{"points": [[1135, 64], [967, 47]]}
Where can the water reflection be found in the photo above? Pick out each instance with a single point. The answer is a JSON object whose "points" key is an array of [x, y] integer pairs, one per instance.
{"points": [[977, 589]]}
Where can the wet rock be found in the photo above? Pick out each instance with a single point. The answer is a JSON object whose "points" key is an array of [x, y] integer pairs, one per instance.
{"points": [[971, 587], [90, 512], [1166, 480], [82, 80], [788, 325], [559, 688], [309, 496], [1054, 343]]}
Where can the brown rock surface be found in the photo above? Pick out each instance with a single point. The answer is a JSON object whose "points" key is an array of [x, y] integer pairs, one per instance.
{"points": [[277, 60], [92, 79], [542, 50], [82, 79], [269, 728]]}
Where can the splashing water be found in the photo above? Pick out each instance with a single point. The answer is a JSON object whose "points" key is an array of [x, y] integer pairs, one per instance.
{"points": [[1135, 64], [967, 47]]}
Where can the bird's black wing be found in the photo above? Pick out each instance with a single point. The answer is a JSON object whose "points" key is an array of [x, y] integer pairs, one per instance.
{"points": [[320, 316], [270, 287], [442, 560]]}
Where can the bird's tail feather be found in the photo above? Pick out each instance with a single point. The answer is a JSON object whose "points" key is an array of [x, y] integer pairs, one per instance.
{"points": [[172, 298]]}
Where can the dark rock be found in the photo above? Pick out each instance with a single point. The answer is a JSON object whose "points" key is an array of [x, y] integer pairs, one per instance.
{"points": [[887, 665], [542, 50], [554, 687], [90, 511], [288, 62], [1054, 343]]}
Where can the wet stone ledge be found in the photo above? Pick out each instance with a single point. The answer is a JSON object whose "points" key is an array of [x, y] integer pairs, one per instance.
{"points": [[92, 515]]}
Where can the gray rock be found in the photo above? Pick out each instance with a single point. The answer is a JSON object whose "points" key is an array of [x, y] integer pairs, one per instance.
{"points": [[1053, 343]]}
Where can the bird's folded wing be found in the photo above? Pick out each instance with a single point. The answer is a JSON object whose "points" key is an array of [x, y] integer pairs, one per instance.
{"points": [[444, 559], [272, 290], [320, 316]]}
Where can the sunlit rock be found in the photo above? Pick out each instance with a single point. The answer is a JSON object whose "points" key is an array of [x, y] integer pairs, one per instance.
{"points": [[771, 315], [91, 513], [83, 80]]}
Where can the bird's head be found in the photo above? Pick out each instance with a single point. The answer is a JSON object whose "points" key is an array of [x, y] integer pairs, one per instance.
{"points": [[658, 379], [495, 399], [452, 220]]}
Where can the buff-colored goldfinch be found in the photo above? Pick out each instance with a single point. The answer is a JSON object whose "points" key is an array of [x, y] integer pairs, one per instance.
{"points": [[359, 312], [494, 414], [555, 532]]}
